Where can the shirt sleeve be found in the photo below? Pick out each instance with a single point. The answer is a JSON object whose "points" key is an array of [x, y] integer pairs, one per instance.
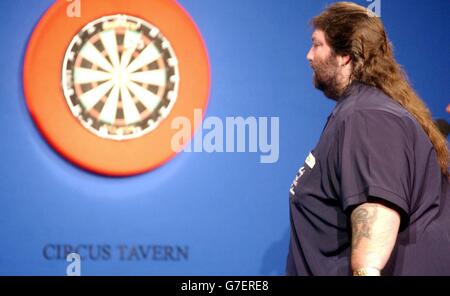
{"points": [[375, 160]]}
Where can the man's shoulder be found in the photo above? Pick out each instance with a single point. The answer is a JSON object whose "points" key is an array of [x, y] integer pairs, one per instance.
{"points": [[371, 101], [374, 99], [370, 109]]}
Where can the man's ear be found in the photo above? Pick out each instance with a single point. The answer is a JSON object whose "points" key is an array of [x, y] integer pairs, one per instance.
{"points": [[344, 60]]}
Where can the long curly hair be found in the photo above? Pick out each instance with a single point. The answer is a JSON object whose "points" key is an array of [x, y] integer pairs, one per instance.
{"points": [[355, 31]]}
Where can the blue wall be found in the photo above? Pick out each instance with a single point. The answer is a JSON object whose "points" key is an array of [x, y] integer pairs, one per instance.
{"points": [[228, 209]]}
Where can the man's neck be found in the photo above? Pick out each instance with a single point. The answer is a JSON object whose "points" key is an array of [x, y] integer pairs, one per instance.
{"points": [[346, 90]]}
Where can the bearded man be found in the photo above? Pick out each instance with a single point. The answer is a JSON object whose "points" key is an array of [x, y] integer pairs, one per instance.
{"points": [[372, 197]]}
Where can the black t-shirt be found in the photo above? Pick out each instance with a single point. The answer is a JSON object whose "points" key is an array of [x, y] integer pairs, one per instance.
{"points": [[370, 148]]}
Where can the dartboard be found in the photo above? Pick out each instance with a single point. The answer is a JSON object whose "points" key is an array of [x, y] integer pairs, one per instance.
{"points": [[106, 87], [120, 77]]}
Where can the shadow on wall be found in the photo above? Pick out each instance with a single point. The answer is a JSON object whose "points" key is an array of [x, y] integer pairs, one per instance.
{"points": [[443, 126], [274, 260]]}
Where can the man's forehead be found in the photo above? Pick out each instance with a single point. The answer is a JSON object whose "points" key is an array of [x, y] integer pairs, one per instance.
{"points": [[318, 35]]}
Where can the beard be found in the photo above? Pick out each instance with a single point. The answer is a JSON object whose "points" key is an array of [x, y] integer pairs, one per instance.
{"points": [[326, 77]]}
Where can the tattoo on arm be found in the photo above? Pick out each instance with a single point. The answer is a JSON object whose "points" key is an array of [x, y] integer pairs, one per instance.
{"points": [[362, 221]]}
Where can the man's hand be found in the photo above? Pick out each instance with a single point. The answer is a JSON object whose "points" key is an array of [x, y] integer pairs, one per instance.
{"points": [[374, 232]]}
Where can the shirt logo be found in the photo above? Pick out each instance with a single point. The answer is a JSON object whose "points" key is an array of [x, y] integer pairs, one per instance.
{"points": [[294, 184], [310, 160]]}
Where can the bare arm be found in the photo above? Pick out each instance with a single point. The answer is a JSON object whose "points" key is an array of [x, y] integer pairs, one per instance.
{"points": [[374, 232]]}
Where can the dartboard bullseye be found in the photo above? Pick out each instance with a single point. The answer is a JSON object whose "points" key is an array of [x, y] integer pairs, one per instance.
{"points": [[120, 77], [104, 88]]}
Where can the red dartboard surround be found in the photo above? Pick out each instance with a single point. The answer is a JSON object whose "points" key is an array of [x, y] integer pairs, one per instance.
{"points": [[104, 87]]}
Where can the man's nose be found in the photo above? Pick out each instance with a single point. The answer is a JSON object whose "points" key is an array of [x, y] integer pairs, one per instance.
{"points": [[309, 56]]}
